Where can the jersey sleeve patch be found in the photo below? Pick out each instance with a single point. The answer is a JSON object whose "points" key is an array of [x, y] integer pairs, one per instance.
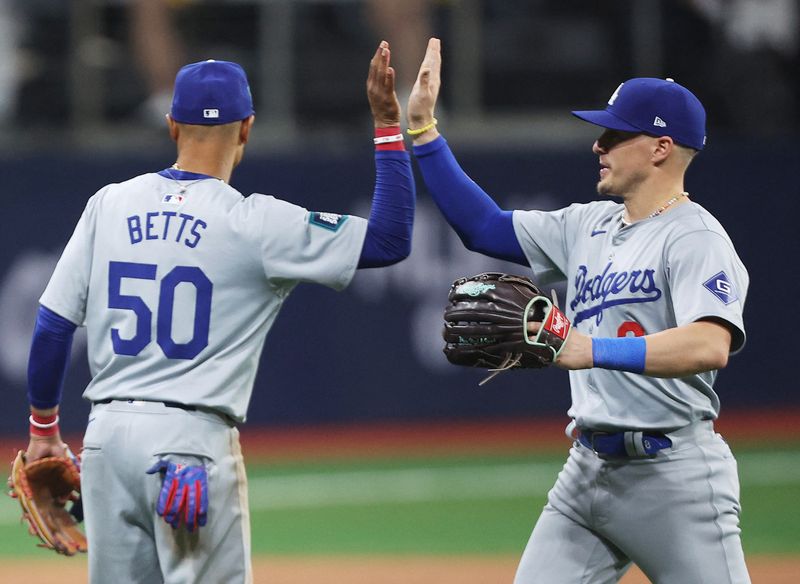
{"points": [[720, 286], [330, 221]]}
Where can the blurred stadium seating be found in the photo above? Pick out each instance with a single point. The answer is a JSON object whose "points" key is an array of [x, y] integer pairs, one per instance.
{"points": [[512, 68]]}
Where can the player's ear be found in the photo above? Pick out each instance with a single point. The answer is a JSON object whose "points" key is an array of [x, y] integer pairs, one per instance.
{"points": [[663, 147], [174, 129], [244, 129]]}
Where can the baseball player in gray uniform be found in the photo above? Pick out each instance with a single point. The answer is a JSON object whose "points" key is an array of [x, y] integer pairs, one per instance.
{"points": [[655, 291], [178, 278]]}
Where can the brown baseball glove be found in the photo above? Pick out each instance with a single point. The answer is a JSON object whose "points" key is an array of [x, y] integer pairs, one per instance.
{"points": [[43, 488], [486, 324]]}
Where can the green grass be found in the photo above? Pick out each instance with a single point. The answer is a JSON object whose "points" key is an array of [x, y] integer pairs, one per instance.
{"points": [[460, 505], [455, 517], [419, 528], [771, 519], [450, 506]]}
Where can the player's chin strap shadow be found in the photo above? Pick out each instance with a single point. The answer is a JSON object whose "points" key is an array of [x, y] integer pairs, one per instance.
{"points": [[510, 362]]}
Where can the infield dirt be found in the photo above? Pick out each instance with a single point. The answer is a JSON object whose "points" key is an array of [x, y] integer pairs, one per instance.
{"points": [[372, 570]]}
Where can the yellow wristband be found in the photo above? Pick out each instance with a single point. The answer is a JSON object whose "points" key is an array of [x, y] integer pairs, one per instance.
{"points": [[423, 129]]}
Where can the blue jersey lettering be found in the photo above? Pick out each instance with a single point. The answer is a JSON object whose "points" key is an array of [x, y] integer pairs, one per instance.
{"points": [[185, 218], [135, 229], [197, 225], [150, 225], [167, 216], [158, 225], [611, 288]]}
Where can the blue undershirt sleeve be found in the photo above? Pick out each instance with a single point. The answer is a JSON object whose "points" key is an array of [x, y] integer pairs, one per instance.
{"points": [[49, 357], [389, 227], [480, 223]]}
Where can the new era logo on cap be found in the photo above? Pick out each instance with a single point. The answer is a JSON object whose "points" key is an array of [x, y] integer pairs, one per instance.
{"points": [[644, 105]]}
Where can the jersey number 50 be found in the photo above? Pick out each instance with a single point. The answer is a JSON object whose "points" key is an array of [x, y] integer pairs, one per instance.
{"points": [[166, 301]]}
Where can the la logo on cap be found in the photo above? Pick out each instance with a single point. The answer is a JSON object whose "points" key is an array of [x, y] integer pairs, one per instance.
{"points": [[614, 95], [653, 106]]}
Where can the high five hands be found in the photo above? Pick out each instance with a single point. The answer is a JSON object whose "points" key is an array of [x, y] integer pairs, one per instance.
{"points": [[422, 101], [380, 89]]}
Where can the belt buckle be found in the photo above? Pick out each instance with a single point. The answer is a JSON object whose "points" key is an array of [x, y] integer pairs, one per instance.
{"points": [[591, 441]]}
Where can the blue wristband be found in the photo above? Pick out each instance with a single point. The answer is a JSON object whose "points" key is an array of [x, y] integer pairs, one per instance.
{"points": [[621, 354]]}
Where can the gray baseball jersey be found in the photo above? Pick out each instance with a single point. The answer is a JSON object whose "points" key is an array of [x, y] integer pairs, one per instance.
{"points": [[178, 283], [676, 514], [178, 291], [655, 274]]}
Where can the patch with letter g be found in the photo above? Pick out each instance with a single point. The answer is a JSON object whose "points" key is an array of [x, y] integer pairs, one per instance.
{"points": [[720, 286], [332, 221]]}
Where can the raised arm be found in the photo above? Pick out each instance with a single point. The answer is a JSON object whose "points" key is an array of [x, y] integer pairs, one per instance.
{"points": [[480, 223], [389, 228]]}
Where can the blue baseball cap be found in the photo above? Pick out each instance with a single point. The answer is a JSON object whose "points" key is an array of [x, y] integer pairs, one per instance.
{"points": [[210, 93], [659, 107]]}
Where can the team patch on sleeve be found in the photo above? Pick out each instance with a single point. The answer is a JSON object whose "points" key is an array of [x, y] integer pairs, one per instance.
{"points": [[330, 221], [721, 287]]}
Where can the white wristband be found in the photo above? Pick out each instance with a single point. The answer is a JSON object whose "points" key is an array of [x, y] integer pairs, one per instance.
{"points": [[387, 139], [43, 426]]}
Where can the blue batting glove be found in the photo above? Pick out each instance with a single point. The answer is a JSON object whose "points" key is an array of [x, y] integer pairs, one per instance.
{"points": [[184, 494]]}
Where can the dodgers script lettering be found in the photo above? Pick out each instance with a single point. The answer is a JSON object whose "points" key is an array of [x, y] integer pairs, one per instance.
{"points": [[611, 288]]}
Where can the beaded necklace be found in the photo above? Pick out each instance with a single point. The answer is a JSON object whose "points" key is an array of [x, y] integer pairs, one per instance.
{"points": [[660, 210]]}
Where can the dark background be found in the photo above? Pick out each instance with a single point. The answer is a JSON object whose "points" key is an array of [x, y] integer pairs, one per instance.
{"points": [[352, 356], [74, 122]]}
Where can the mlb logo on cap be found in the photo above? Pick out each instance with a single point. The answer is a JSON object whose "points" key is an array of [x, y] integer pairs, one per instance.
{"points": [[211, 93], [659, 107]]}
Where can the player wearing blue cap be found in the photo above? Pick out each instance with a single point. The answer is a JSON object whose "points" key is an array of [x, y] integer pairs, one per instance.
{"points": [[655, 292], [178, 278]]}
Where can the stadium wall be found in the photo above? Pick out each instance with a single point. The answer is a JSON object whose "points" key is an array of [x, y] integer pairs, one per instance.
{"points": [[373, 352]]}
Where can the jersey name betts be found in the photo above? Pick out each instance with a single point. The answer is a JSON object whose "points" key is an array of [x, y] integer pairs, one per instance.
{"points": [[178, 291]]}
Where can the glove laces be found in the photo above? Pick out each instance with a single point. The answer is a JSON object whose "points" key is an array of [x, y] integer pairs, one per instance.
{"points": [[509, 362]]}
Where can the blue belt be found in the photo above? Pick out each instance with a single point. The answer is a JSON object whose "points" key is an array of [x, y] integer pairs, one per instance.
{"points": [[169, 404], [630, 444]]}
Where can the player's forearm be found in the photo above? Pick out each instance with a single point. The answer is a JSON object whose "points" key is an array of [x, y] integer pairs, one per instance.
{"points": [[49, 357], [477, 219], [677, 352], [391, 219], [686, 350], [45, 434], [44, 412]]}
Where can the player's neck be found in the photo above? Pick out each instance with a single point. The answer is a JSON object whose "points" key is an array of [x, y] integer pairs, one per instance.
{"points": [[644, 205], [211, 164]]}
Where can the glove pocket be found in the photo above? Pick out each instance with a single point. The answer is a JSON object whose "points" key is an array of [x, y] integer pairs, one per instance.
{"points": [[185, 457]]}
